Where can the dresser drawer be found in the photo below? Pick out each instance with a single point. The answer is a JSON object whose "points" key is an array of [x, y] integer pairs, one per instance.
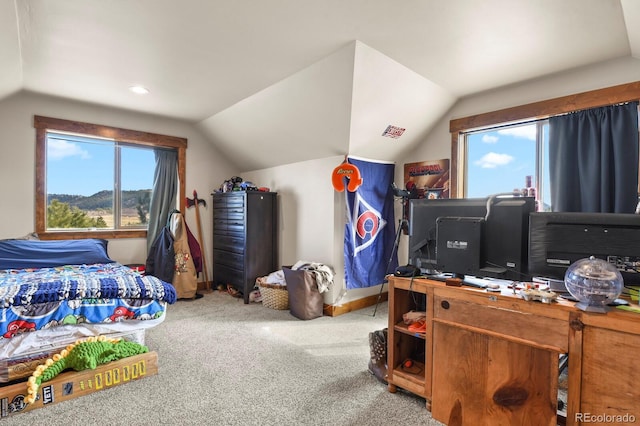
{"points": [[226, 275], [227, 233], [220, 213], [228, 225], [235, 201], [219, 201], [225, 210], [228, 258], [229, 242], [235, 215]]}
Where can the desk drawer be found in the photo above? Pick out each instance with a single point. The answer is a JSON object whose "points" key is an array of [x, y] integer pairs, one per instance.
{"points": [[510, 324]]}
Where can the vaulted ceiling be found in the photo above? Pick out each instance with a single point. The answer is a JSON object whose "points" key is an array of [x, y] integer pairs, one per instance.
{"points": [[276, 81]]}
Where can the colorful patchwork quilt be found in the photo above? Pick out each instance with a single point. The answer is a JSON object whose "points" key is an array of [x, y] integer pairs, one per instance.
{"points": [[40, 298]]}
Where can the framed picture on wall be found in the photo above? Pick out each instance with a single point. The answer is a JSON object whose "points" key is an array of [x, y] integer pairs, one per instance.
{"points": [[427, 179]]}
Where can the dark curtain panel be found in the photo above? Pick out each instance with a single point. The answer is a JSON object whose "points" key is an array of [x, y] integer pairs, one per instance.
{"points": [[593, 160], [164, 194]]}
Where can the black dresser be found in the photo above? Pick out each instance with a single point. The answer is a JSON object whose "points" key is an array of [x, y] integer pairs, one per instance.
{"points": [[245, 239]]}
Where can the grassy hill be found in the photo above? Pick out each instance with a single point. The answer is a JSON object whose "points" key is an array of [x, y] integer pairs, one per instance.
{"points": [[103, 200]]}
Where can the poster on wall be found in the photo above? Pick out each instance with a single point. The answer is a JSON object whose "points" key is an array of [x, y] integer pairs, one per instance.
{"points": [[427, 179]]}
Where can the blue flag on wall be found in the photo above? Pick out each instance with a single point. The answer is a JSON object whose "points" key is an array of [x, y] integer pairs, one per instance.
{"points": [[370, 231]]}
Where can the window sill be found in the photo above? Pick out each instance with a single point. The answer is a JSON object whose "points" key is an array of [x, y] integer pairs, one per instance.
{"points": [[74, 235]]}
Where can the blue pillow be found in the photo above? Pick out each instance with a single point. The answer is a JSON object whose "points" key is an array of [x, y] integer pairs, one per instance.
{"points": [[18, 254]]}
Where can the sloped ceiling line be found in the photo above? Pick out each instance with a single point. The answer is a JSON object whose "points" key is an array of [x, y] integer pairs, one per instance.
{"points": [[338, 105], [210, 62]]}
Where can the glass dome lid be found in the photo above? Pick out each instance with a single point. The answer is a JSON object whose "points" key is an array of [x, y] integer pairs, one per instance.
{"points": [[594, 282]]}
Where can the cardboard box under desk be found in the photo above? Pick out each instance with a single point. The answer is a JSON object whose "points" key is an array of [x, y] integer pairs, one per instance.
{"points": [[72, 384]]}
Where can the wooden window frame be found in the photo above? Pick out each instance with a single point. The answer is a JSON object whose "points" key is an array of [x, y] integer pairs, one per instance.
{"points": [[534, 111], [45, 124]]}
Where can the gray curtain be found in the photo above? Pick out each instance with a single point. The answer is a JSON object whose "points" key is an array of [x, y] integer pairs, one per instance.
{"points": [[593, 160], [164, 194]]}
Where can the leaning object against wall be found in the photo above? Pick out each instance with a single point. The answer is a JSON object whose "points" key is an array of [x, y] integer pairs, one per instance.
{"points": [[306, 281], [185, 278]]}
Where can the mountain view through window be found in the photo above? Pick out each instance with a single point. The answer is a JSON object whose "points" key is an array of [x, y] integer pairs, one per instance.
{"points": [[97, 183]]}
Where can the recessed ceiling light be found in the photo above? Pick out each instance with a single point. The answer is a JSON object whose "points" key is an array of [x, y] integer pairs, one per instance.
{"points": [[140, 90]]}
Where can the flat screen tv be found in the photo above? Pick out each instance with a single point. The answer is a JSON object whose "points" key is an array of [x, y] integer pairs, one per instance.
{"points": [[557, 239], [484, 237]]}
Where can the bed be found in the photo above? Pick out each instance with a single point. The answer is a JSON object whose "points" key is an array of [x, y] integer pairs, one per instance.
{"points": [[53, 293]]}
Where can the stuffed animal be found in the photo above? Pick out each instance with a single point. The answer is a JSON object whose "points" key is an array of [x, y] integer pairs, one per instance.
{"points": [[81, 355]]}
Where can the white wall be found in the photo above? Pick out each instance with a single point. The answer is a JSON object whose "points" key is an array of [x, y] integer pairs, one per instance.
{"points": [[302, 117], [310, 220], [205, 168]]}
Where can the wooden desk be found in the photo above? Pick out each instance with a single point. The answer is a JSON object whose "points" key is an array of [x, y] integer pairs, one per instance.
{"points": [[492, 358]]}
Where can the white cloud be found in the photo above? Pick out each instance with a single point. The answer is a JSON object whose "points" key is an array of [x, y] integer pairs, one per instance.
{"points": [[489, 139], [526, 132], [493, 160], [58, 149]]}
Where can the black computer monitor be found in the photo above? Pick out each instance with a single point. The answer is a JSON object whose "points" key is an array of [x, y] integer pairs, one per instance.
{"points": [[558, 239], [485, 237]]}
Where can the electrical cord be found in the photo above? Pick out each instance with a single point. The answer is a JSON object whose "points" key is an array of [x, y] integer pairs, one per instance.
{"points": [[494, 196]]}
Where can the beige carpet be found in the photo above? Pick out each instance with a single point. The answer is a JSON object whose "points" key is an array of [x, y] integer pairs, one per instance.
{"points": [[222, 362]]}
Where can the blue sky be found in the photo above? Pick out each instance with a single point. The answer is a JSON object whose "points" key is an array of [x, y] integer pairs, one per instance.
{"points": [[86, 168], [500, 160]]}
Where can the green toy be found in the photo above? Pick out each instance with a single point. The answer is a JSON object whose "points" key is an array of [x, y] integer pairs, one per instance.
{"points": [[82, 355]]}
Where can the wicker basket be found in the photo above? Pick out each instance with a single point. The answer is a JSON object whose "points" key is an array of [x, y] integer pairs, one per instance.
{"points": [[274, 296]]}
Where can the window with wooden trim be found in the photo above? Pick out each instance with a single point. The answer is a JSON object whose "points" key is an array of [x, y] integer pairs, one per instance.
{"points": [[95, 181], [508, 159], [488, 125]]}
